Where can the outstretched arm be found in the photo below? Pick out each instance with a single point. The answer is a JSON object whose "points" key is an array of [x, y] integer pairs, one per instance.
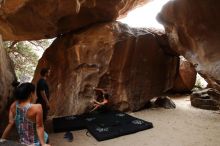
{"points": [[105, 101], [100, 89], [96, 102], [10, 123]]}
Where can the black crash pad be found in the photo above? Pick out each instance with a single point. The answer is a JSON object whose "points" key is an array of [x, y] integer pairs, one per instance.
{"points": [[118, 125], [68, 123], [102, 126]]}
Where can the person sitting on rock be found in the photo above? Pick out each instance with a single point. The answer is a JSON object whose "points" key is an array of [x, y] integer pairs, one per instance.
{"points": [[101, 100], [27, 117]]}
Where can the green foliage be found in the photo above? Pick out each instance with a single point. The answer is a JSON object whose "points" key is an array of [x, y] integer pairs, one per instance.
{"points": [[25, 56]]}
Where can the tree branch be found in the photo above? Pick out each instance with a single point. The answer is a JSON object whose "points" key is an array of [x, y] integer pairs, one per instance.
{"points": [[13, 44], [36, 44]]}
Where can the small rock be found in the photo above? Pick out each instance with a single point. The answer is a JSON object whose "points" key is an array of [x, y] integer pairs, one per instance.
{"points": [[165, 102], [206, 99]]}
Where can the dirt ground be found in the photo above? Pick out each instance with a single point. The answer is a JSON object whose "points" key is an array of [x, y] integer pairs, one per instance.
{"points": [[183, 126]]}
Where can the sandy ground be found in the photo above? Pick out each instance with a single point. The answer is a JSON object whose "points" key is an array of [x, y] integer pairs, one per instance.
{"points": [[183, 126]]}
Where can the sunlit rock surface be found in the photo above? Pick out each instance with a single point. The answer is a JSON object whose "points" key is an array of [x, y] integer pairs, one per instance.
{"points": [[38, 19], [133, 64], [186, 77], [194, 32]]}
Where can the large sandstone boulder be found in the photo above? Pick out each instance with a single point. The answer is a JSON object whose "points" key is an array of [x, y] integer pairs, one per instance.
{"points": [[133, 64], [7, 76], [186, 77], [194, 32], [38, 19]]}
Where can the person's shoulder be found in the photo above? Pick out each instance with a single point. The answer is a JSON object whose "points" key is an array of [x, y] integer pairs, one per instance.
{"points": [[37, 107], [13, 105], [106, 100], [41, 81]]}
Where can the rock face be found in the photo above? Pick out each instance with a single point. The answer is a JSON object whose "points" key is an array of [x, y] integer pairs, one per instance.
{"points": [[186, 77], [206, 99], [132, 64], [7, 76], [38, 19], [194, 32]]}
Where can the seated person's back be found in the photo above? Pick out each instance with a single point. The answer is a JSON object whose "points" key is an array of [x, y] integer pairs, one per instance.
{"points": [[27, 117]]}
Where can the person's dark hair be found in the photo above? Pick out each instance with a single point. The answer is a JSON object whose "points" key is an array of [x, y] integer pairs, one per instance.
{"points": [[15, 83], [24, 91], [106, 96], [44, 71], [99, 95]]}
